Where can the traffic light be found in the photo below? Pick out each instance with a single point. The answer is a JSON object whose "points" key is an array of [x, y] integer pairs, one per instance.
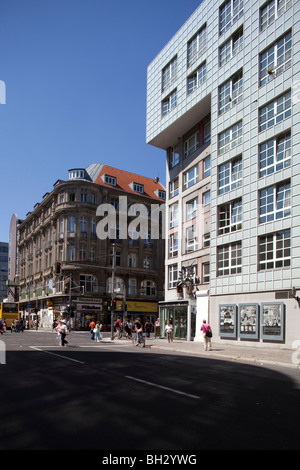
{"points": [[108, 304], [58, 266], [114, 304]]}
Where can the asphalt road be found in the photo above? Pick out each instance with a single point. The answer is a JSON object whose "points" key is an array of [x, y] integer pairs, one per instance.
{"points": [[114, 396]]}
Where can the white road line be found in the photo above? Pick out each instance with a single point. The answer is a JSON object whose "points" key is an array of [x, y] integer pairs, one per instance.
{"points": [[162, 387], [58, 355]]}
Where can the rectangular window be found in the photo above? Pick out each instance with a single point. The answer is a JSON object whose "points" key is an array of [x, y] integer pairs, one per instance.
{"points": [[169, 103], [206, 167], [132, 287], [271, 11], [196, 46], [276, 111], [110, 180], [275, 250], [205, 273], [139, 188], [174, 189], [71, 253], [196, 79], [88, 283], [173, 245], [275, 202], [191, 239], [169, 74], [275, 155], [191, 145], [174, 215], [190, 177], [230, 175], [173, 276], [229, 258], [82, 253], [230, 12], [231, 92], [83, 225], [206, 198], [191, 209], [231, 47], [276, 59], [230, 138], [71, 224], [230, 217], [174, 157]]}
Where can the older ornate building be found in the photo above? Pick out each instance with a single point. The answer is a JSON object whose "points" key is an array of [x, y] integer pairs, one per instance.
{"points": [[85, 237]]}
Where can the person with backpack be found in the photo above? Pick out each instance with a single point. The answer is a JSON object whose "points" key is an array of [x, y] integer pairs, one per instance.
{"points": [[207, 335]]}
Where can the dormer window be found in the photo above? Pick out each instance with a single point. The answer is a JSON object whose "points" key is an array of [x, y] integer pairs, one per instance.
{"points": [[110, 180], [76, 174], [139, 188], [161, 194]]}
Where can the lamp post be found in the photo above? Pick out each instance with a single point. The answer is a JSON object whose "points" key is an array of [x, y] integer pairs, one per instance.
{"points": [[112, 293]]}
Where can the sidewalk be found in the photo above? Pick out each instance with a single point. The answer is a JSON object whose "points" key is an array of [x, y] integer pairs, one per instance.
{"points": [[278, 356]]}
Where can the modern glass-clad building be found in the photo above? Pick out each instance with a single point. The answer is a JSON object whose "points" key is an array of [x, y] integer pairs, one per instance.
{"points": [[223, 101]]}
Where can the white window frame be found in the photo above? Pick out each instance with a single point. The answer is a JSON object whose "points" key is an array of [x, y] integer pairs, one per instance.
{"points": [[196, 46], [230, 175], [231, 92], [173, 276], [173, 245], [271, 11], [196, 79], [231, 47], [230, 138], [230, 216], [275, 59], [274, 250], [229, 259], [138, 188], [169, 103], [275, 154], [174, 188], [206, 167], [174, 212], [169, 74], [191, 209], [229, 13], [191, 239], [191, 144], [190, 177], [275, 112], [275, 202]]}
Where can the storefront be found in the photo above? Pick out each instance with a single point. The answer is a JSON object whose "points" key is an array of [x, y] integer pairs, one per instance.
{"points": [[182, 315], [135, 309]]}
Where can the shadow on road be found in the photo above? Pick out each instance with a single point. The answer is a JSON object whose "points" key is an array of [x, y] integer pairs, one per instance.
{"points": [[52, 403]]}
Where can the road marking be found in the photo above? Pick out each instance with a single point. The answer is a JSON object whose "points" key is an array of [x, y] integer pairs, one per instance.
{"points": [[162, 387], [58, 355]]}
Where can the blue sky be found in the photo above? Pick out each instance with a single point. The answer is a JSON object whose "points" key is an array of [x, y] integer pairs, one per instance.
{"points": [[75, 77]]}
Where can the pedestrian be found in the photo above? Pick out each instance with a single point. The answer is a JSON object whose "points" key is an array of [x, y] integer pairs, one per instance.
{"points": [[97, 331], [148, 326], [92, 326], [62, 332], [128, 328], [118, 326], [169, 331], [157, 328], [1, 327], [207, 335], [138, 327]]}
